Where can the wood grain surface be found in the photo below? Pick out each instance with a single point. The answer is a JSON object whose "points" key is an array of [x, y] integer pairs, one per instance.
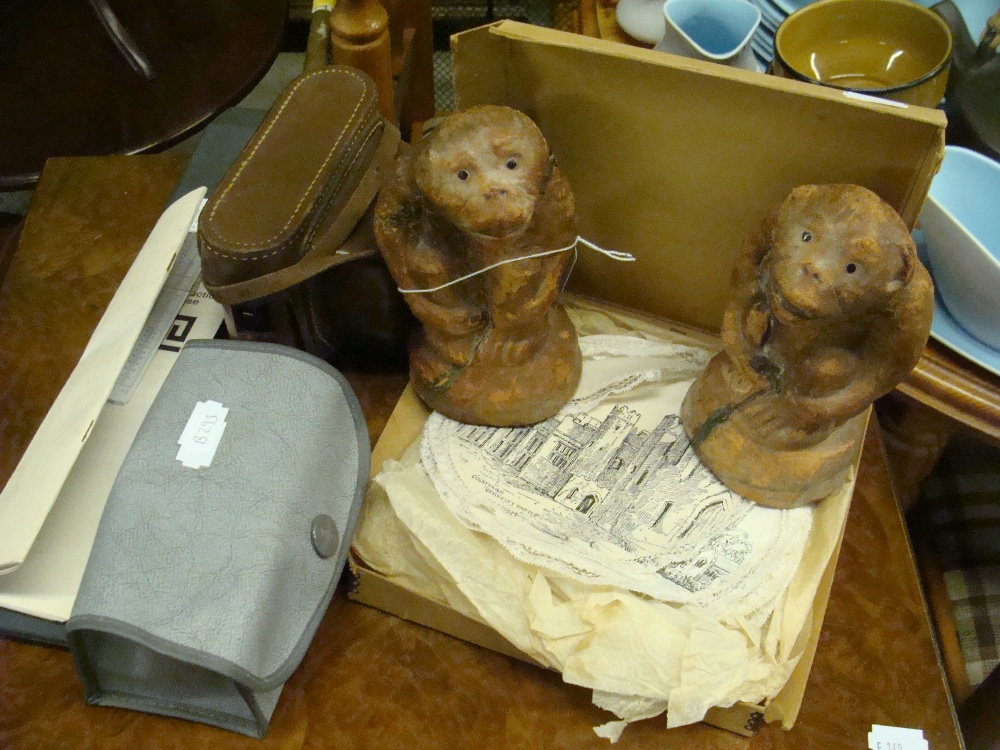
{"points": [[370, 680], [951, 385], [88, 220], [67, 90]]}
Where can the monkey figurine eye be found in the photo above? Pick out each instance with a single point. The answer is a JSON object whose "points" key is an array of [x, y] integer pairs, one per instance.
{"points": [[806, 236], [462, 174], [512, 164], [851, 268]]}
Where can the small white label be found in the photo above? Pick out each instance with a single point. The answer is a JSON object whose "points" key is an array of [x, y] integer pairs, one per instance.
{"points": [[875, 99], [202, 434], [896, 738]]}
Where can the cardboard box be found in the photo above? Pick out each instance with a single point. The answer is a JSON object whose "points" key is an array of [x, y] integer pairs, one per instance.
{"points": [[424, 603], [673, 160]]}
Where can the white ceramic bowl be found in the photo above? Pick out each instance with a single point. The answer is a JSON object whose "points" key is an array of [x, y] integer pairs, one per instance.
{"points": [[961, 225]]}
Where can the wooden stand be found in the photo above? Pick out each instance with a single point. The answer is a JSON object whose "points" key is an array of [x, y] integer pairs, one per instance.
{"points": [[359, 35]]}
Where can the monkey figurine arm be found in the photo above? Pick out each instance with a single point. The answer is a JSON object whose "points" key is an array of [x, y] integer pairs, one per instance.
{"points": [[746, 319], [805, 406], [418, 259], [892, 342], [464, 211], [521, 294]]}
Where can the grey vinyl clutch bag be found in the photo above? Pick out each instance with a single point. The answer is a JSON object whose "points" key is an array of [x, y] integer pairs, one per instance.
{"points": [[224, 536]]}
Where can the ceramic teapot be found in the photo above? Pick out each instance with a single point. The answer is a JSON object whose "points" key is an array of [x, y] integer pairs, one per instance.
{"points": [[975, 74]]}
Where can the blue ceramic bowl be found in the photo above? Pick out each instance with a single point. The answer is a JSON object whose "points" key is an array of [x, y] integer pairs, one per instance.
{"points": [[961, 225]]}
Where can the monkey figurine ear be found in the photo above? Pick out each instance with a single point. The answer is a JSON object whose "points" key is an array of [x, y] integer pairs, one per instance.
{"points": [[908, 254], [550, 164]]}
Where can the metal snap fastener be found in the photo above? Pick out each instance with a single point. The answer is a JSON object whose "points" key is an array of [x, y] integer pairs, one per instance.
{"points": [[324, 535]]}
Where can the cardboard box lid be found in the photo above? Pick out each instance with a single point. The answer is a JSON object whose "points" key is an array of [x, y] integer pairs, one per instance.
{"points": [[675, 160]]}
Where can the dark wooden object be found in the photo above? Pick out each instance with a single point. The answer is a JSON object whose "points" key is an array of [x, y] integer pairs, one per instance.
{"points": [[67, 90], [10, 233], [945, 394], [372, 681], [356, 34]]}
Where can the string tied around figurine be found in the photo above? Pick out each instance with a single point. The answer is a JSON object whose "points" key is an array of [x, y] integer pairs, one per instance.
{"points": [[613, 254]]}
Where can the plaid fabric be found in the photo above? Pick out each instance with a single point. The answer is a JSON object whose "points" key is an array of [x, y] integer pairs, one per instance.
{"points": [[959, 515]]}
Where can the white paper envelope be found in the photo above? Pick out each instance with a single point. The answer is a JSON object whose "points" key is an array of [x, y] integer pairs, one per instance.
{"points": [[50, 508]]}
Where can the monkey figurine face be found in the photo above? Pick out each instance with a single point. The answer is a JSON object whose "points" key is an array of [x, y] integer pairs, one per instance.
{"points": [[476, 224], [483, 174], [829, 309], [834, 253]]}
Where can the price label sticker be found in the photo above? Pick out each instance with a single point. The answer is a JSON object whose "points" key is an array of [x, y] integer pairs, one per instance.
{"points": [[896, 738], [202, 434]]}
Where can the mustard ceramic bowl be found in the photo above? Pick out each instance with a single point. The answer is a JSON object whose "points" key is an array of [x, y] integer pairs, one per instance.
{"points": [[895, 49]]}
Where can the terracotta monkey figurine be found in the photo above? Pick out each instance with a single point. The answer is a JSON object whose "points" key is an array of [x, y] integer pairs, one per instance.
{"points": [[829, 309], [482, 191]]}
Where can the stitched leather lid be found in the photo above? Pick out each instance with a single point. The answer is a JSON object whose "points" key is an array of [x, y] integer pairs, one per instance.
{"points": [[298, 188]]}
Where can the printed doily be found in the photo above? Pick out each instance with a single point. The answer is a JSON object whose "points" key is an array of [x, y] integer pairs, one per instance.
{"points": [[609, 491]]}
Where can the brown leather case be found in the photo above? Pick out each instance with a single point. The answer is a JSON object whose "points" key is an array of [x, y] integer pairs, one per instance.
{"points": [[297, 191], [286, 239]]}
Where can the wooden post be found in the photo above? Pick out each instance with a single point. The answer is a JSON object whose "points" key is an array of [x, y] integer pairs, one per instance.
{"points": [[318, 43], [359, 34]]}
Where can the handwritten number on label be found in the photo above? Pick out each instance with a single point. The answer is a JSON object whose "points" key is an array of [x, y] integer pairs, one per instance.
{"points": [[206, 426], [202, 434]]}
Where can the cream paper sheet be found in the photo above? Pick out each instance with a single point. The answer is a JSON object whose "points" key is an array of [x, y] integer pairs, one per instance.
{"points": [[51, 507], [610, 491], [46, 584], [640, 656], [32, 489]]}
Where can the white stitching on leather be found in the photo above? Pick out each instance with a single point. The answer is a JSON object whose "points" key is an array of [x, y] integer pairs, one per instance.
{"points": [[229, 256], [319, 171]]}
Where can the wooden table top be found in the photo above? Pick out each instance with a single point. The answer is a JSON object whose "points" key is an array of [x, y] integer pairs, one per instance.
{"points": [[950, 384], [370, 680], [67, 90]]}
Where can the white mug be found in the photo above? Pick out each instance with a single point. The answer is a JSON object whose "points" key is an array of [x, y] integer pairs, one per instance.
{"points": [[714, 30]]}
